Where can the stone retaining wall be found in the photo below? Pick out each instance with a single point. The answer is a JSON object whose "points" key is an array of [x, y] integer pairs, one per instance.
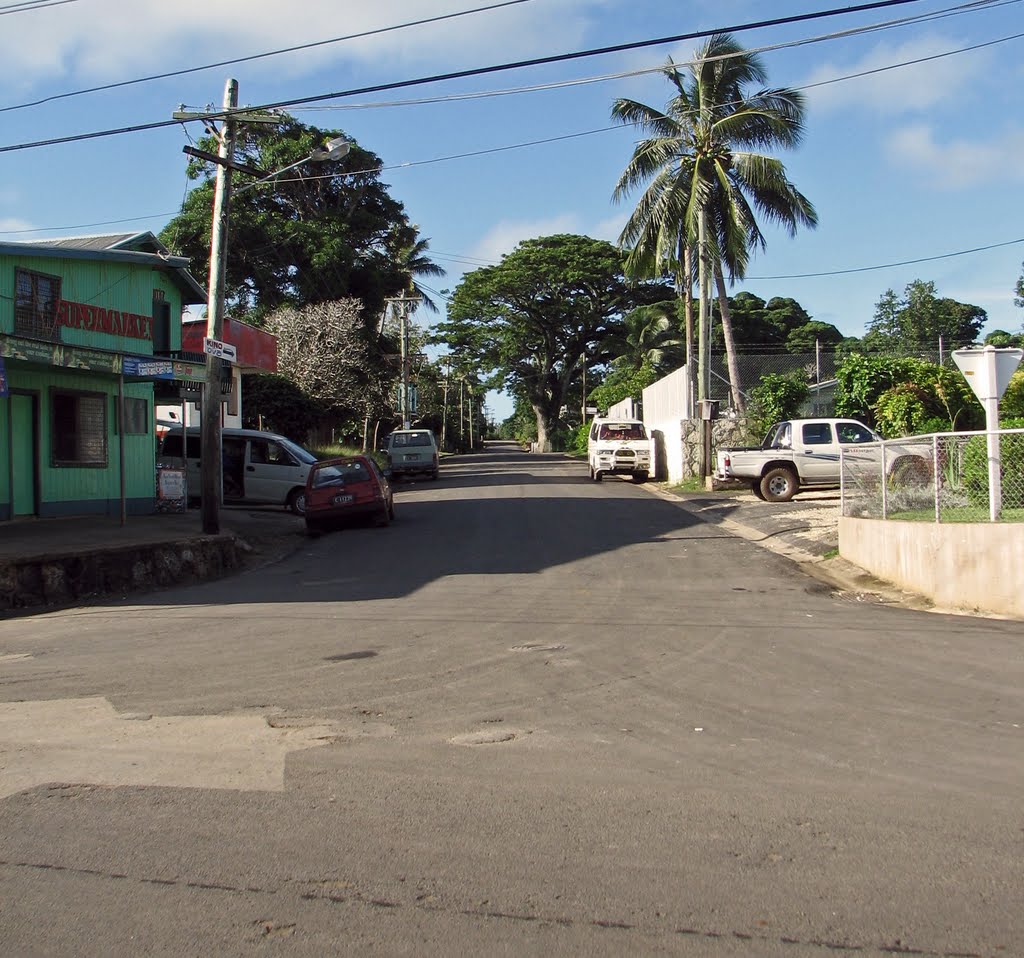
{"points": [[60, 580]]}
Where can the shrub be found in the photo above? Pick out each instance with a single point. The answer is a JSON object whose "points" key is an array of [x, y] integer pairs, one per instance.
{"points": [[1011, 456], [777, 397]]}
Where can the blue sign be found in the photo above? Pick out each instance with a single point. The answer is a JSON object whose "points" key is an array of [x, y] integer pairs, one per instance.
{"points": [[148, 368]]}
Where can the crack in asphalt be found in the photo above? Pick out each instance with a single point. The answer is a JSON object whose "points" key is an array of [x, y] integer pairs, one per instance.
{"points": [[355, 897]]}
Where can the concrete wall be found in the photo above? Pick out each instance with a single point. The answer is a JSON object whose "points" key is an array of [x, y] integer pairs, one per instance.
{"points": [[971, 566]]}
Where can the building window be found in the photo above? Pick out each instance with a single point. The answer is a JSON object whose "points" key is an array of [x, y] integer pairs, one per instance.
{"points": [[78, 434], [36, 296], [136, 417]]}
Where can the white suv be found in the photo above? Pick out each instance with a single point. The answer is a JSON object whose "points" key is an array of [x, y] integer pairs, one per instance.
{"points": [[619, 446], [412, 452]]}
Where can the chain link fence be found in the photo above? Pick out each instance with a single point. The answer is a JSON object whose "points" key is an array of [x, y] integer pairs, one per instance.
{"points": [[936, 478]]}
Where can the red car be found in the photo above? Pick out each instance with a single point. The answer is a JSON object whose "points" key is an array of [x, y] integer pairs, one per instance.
{"points": [[338, 490]]}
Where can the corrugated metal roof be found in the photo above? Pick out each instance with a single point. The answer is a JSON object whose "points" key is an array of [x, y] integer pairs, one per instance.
{"points": [[144, 242], [120, 247]]}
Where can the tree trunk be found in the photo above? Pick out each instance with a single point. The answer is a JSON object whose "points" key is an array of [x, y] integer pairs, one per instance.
{"points": [[730, 343], [543, 431], [685, 292], [704, 306]]}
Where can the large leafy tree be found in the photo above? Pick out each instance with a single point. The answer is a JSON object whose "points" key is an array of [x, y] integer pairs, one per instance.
{"points": [[917, 319], [317, 233], [708, 179], [533, 321]]}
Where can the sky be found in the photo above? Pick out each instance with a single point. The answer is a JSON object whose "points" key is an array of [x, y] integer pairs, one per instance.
{"points": [[912, 153]]}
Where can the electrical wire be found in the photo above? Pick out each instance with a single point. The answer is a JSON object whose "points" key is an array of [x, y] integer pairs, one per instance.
{"points": [[868, 269], [260, 56], [31, 5], [462, 74], [958, 10]]}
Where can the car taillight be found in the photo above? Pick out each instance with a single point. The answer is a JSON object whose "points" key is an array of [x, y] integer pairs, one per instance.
{"points": [[728, 462]]}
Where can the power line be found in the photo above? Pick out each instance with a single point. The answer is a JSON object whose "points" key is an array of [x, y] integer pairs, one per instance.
{"points": [[30, 5], [868, 269], [523, 144], [259, 56], [478, 71], [958, 10]]}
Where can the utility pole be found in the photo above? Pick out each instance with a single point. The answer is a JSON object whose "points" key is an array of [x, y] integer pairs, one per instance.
{"points": [[211, 457], [444, 406], [469, 389], [210, 453], [402, 304]]}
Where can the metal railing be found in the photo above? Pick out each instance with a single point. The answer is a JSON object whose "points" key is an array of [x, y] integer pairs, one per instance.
{"points": [[942, 477]]}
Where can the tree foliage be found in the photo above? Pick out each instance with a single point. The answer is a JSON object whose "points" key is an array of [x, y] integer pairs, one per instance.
{"points": [[776, 397], [273, 402], [917, 319], [902, 396], [325, 350], [530, 322], [321, 232]]}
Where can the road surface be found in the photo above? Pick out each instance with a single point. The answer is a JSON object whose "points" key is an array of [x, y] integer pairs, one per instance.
{"points": [[535, 715]]}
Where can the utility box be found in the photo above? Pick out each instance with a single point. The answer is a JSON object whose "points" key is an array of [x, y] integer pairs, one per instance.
{"points": [[709, 409]]}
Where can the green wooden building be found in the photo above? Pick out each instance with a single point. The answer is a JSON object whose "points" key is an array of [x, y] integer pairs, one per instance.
{"points": [[87, 326]]}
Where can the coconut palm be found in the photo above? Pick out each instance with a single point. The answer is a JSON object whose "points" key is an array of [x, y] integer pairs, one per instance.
{"points": [[650, 336], [409, 252], [706, 180]]}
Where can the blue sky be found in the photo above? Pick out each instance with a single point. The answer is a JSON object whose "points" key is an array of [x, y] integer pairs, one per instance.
{"points": [[909, 163]]}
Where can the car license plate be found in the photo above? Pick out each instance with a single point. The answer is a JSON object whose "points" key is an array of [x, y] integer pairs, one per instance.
{"points": [[409, 456], [343, 500]]}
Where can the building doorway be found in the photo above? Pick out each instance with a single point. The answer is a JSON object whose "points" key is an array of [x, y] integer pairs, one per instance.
{"points": [[24, 453]]}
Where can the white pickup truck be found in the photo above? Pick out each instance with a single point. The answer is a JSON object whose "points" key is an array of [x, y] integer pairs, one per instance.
{"points": [[796, 454]]}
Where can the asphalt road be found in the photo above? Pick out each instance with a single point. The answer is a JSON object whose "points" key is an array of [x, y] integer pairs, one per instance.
{"points": [[536, 715]]}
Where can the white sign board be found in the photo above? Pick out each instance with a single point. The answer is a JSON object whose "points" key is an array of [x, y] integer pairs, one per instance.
{"points": [[225, 351], [988, 370]]}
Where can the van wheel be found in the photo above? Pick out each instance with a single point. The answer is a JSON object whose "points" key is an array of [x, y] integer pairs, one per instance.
{"points": [[297, 502], [640, 476], [596, 475], [779, 484]]}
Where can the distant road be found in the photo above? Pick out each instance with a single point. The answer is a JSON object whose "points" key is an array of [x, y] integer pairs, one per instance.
{"points": [[535, 715]]}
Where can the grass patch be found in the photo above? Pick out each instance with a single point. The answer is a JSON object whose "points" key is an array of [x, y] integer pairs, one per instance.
{"points": [[959, 514], [831, 554], [692, 484]]}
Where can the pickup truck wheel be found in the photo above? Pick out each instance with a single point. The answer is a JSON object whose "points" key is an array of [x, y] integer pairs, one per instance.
{"points": [[779, 484], [755, 488], [640, 475]]}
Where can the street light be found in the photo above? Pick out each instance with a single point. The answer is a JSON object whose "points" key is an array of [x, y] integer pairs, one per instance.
{"points": [[333, 149], [211, 453]]}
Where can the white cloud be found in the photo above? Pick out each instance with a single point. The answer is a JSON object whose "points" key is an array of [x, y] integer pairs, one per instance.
{"points": [[99, 41], [13, 225], [503, 237], [901, 90], [957, 164]]}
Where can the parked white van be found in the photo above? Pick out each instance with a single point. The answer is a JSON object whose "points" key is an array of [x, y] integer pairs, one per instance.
{"points": [[620, 447], [258, 467]]}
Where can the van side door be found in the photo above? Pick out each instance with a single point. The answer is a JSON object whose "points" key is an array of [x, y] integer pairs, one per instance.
{"points": [[271, 472]]}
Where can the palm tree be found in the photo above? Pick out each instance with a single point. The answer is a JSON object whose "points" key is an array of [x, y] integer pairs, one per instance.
{"points": [[650, 336], [706, 180], [409, 252]]}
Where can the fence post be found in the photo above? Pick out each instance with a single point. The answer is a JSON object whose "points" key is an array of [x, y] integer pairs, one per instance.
{"points": [[885, 486], [842, 481], [936, 480]]}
